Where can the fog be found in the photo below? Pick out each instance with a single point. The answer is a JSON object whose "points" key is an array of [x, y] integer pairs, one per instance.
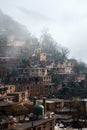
{"points": [[65, 19]]}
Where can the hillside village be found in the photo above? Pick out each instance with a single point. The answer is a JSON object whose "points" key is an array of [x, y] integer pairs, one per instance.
{"points": [[22, 79], [39, 85], [37, 73]]}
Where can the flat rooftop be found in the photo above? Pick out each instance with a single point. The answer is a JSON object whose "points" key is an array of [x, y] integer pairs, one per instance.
{"points": [[27, 125]]}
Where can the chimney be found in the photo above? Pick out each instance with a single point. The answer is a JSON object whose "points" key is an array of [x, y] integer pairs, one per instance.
{"points": [[44, 104]]}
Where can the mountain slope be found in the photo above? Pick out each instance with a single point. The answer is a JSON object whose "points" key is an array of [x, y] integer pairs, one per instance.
{"points": [[10, 27]]}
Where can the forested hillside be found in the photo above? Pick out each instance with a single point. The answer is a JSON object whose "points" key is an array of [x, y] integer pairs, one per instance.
{"points": [[9, 27]]}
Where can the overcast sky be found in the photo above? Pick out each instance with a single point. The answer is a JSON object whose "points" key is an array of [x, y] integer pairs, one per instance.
{"points": [[65, 19]]}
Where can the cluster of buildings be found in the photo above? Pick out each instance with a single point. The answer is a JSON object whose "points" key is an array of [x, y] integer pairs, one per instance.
{"points": [[24, 78], [18, 112], [35, 74]]}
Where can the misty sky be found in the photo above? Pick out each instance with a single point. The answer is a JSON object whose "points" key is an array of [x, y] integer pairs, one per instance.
{"points": [[65, 19]]}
